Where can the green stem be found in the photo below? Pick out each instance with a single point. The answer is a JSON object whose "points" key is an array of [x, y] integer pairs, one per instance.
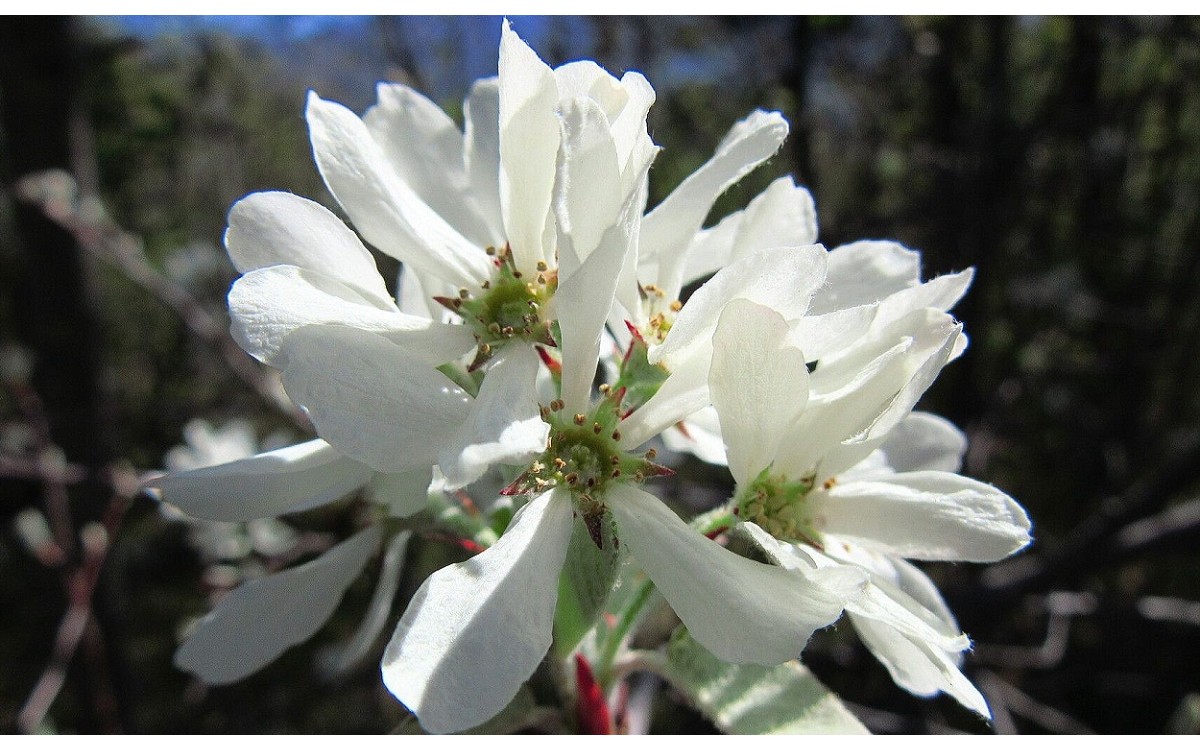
{"points": [[716, 520], [709, 523], [626, 619], [473, 526]]}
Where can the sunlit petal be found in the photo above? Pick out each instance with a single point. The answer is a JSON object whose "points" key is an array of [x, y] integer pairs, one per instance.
{"points": [[475, 631]]}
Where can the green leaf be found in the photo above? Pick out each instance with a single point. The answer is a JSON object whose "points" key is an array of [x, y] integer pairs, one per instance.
{"points": [[587, 578], [751, 699]]}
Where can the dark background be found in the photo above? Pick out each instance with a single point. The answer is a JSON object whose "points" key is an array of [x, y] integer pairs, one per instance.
{"points": [[1058, 156]]}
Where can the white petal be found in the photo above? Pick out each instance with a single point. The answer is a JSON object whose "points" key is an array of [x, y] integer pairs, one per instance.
{"points": [[819, 336], [794, 557], [897, 575], [385, 209], [942, 293], [403, 493], [933, 358], [414, 299], [759, 385], [783, 215], [267, 304], [362, 643], [585, 79], [287, 480], [843, 426], [781, 278], [925, 515], [529, 138], [425, 148], [921, 657], [917, 666], [913, 581], [884, 603], [628, 300], [925, 442], [683, 393], [634, 146], [259, 620], [584, 298], [475, 631], [700, 435], [670, 226], [371, 399], [208, 446], [504, 424], [270, 229], [741, 610], [712, 249], [833, 417], [481, 112], [867, 271], [588, 185]]}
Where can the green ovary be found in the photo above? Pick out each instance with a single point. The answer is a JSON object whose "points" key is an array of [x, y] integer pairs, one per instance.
{"points": [[583, 455], [509, 306], [779, 506]]}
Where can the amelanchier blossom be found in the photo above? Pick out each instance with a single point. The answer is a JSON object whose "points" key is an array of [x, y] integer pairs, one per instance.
{"points": [[832, 468], [476, 631], [526, 246], [470, 215]]}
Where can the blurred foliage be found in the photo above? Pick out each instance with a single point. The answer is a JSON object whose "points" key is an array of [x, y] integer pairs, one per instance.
{"points": [[1058, 156]]}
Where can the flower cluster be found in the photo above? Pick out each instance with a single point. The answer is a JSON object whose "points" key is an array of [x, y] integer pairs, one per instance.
{"points": [[531, 271]]}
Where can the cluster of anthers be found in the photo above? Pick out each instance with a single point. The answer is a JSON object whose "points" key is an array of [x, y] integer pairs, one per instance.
{"points": [[582, 455], [508, 306], [659, 322], [779, 506]]}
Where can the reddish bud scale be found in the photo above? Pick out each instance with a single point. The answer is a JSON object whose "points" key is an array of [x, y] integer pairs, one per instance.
{"points": [[550, 362], [469, 545], [591, 710]]}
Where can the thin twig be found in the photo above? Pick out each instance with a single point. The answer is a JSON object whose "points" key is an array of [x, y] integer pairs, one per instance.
{"points": [[1061, 607], [22, 467], [1022, 704], [1078, 551], [56, 193], [78, 624]]}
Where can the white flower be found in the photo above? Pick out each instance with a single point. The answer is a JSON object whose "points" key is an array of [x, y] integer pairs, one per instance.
{"points": [[434, 197], [832, 469], [256, 622], [205, 445], [474, 218], [476, 631], [228, 541]]}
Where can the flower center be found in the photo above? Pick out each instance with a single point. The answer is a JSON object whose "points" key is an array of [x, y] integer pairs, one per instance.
{"points": [[508, 306], [660, 313], [582, 455], [779, 506]]}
